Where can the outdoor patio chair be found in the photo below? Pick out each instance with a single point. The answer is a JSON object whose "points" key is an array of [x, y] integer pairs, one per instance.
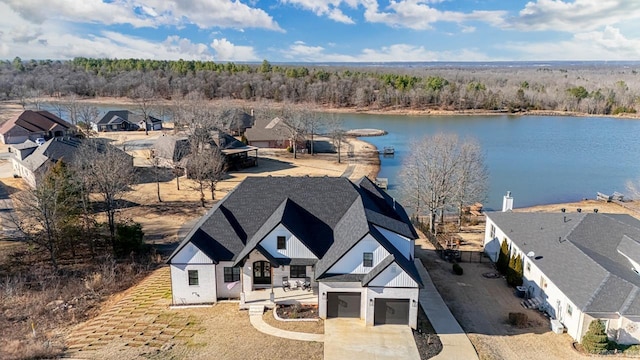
{"points": [[306, 285], [285, 283]]}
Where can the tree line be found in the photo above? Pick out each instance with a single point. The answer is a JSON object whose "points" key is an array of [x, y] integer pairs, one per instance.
{"points": [[611, 89]]}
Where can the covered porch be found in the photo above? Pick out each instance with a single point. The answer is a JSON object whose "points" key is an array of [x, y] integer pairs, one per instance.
{"points": [[270, 297]]}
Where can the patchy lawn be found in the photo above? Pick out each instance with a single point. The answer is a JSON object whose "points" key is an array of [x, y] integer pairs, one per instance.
{"points": [[139, 324]]}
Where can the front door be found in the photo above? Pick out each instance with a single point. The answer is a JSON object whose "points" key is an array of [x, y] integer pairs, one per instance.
{"points": [[261, 273]]}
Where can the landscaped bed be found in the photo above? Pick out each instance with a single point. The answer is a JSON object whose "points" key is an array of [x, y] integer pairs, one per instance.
{"points": [[312, 327], [428, 342], [297, 312]]}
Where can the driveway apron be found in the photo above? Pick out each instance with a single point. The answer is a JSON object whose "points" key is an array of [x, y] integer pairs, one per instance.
{"points": [[351, 339]]}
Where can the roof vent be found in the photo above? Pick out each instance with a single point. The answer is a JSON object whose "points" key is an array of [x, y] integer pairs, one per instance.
{"points": [[579, 210], [531, 254]]}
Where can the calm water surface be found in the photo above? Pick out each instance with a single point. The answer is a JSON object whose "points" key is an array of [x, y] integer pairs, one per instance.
{"points": [[540, 159]]}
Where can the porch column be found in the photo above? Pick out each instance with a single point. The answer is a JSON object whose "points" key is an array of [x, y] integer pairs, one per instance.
{"points": [[242, 296], [272, 296]]}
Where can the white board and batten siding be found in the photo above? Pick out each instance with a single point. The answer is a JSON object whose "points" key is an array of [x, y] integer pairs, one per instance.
{"points": [[352, 261], [352, 287], [393, 276], [412, 294], [191, 258], [294, 247], [404, 244]]}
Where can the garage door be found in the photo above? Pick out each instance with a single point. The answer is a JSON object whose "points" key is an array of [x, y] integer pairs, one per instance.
{"points": [[260, 144], [391, 311], [343, 304]]}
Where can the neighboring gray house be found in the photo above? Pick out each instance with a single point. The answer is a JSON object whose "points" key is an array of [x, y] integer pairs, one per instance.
{"points": [[31, 160], [352, 241], [171, 150], [269, 133], [125, 120], [577, 266], [31, 125]]}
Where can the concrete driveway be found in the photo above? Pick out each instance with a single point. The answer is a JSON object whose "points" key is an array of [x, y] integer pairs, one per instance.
{"points": [[351, 339]]}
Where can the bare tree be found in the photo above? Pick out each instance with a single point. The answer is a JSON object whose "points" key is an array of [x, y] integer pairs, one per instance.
{"points": [[42, 214], [206, 167], [73, 108], [336, 131], [312, 124], [472, 176], [440, 174], [144, 97], [154, 161], [87, 115], [109, 173]]}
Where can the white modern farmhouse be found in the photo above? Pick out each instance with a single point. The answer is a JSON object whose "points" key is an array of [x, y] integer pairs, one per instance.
{"points": [[351, 242], [579, 266]]}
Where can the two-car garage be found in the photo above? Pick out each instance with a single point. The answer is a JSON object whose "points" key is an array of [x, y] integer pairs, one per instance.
{"points": [[386, 310]]}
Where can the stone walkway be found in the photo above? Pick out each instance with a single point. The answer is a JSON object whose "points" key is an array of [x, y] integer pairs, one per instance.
{"points": [[255, 316], [140, 318], [455, 343]]}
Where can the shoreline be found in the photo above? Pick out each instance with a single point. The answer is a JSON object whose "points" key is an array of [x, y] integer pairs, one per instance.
{"points": [[14, 105]]}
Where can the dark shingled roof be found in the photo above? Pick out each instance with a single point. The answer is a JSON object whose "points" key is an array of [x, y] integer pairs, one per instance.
{"points": [[582, 255], [119, 116], [328, 215]]}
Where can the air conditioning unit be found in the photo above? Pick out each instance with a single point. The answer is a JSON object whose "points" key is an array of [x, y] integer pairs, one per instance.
{"points": [[557, 327]]}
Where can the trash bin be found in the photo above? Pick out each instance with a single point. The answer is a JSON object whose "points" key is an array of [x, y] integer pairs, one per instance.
{"points": [[521, 291]]}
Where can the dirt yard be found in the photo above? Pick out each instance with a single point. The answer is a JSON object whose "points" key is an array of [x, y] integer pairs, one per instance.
{"points": [[482, 305], [138, 324]]}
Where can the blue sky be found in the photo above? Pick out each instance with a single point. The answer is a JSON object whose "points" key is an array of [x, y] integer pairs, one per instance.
{"points": [[322, 30]]}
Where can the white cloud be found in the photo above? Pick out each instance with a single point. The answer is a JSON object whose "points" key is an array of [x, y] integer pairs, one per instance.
{"points": [[147, 13], [19, 37], [329, 8], [608, 44], [391, 53], [574, 16], [226, 51]]}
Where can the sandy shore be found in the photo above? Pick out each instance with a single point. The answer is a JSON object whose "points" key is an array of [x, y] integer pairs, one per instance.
{"points": [[9, 108]]}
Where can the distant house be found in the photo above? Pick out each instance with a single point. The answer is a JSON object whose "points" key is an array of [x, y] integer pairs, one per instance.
{"points": [[577, 267], [351, 243], [269, 133], [171, 151], [30, 160], [237, 122], [174, 150], [125, 120], [31, 125]]}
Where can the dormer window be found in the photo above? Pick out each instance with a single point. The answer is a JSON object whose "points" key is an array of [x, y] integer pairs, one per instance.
{"points": [[367, 259], [282, 243]]}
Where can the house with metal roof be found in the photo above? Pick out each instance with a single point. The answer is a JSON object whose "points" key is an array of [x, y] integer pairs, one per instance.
{"points": [[31, 125], [351, 243], [577, 266]]}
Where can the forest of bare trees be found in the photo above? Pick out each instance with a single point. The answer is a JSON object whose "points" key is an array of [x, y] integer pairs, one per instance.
{"points": [[587, 88]]}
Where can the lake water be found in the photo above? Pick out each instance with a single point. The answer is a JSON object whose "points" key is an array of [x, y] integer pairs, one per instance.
{"points": [[540, 159]]}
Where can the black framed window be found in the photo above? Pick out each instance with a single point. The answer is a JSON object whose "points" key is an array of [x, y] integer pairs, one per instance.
{"points": [[231, 274], [193, 277], [297, 271], [282, 243], [367, 259]]}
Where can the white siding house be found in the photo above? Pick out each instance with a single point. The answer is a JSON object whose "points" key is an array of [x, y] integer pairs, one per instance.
{"points": [[329, 233], [578, 266]]}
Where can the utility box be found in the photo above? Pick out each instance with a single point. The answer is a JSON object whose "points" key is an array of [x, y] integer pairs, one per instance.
{"points": [[556, 326]]}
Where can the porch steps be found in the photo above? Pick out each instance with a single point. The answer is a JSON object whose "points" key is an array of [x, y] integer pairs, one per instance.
{"points": [[533, 303], [256, 310]]}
